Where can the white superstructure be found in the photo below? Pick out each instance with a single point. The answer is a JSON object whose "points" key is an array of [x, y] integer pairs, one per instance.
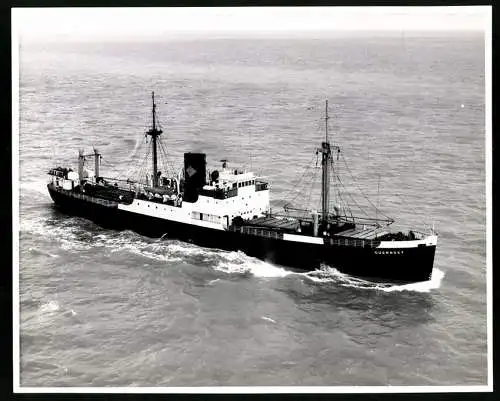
{"points": [[234, 194]]}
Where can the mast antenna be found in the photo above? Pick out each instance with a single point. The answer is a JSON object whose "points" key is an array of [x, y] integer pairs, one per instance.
{"points": [[378, 199], [326, 120]]}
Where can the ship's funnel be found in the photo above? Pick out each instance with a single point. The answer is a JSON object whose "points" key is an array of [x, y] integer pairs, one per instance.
{"points": [[194, 175]]}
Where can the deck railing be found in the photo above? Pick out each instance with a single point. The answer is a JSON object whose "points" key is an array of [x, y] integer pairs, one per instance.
{"points": [[219, 193], [359, 243], [275, 234], [258, 232], [261, 186], [87, 198]]}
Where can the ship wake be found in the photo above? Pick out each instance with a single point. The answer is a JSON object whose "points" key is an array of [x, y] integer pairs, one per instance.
{"points": [[80, 235], [239, 262], [331, 275]]}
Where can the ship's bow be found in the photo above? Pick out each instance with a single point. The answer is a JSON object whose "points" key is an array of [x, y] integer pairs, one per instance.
{"points": [[407, 261]]}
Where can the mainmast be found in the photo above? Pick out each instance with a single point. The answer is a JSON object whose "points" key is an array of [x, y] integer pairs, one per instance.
{"points": [[155, 133], [325, 164]]}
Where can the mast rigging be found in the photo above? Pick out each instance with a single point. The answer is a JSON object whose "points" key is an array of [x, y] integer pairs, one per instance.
{"points": [[154, 133]]}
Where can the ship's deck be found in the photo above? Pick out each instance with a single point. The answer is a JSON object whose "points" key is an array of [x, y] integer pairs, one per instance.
{"points": [[292, 225], [368, 233], [110, 193], [273, 222]]}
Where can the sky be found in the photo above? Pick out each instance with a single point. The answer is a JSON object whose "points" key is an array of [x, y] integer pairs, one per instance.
{"points": [[92, 23]]}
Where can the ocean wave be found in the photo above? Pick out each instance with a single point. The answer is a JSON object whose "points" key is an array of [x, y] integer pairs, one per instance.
{"points": [[75, 234], [36, 251], [51, 306], [232, 262], [240, 263], [48, 311], [134, 243], [268, 319], [34, 187], [65, 231]]}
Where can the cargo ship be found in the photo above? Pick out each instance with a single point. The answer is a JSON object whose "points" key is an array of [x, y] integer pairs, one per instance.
{"points": [[229, 208]]}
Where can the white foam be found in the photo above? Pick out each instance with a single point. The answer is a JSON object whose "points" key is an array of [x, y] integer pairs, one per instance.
{"points": [[34, 250], [329, 274], [239, 262], [264, 269], [424, 286], [186, 249], [51, 306], [166, 251], [231, 268], [159, 250], [69, 245], [141, 250], [161, 257], [268, 319]]}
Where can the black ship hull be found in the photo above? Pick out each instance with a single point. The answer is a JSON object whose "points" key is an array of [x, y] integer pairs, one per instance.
{"points": [[395, 265]]}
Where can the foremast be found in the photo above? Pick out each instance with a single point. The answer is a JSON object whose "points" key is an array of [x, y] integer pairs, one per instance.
{"points": [[154, 132], [81, 162]]}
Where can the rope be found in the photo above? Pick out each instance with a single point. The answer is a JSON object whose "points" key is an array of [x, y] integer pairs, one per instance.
{"points": [[140, 170], [343, 203], [166, 165], [354, 200], [296, 185], [313, 181], [362, 193]]}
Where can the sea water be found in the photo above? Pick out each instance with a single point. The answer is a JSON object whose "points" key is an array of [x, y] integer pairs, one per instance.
{"points": [[105, 308]]}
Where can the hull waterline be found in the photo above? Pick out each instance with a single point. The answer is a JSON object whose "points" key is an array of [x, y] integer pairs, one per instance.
{"points": [[391, 264]]}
